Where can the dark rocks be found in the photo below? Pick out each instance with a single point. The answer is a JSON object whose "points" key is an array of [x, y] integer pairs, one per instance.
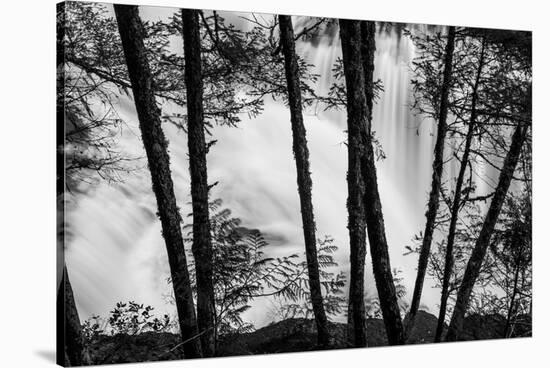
{"points": [[291, 335]]}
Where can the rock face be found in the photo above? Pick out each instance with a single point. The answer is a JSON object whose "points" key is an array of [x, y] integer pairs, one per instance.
{"points": [[291, 335]]}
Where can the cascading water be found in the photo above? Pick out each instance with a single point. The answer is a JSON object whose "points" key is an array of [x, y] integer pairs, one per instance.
{"points": [[116, 251]]}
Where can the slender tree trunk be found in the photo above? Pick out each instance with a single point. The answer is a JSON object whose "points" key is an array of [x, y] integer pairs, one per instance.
{"points": [[433, 202], [156, 148], [379, 251], [478, 254], [202, 244], [368, 47], [301, 155], [69, 336], [68, 328], [354, 72], [60, 100], [357, 122], [507, 329], [449, 259]]}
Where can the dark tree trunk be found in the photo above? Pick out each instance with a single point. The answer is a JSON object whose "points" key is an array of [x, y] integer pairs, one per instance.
{"points": [[455, 209], [301, 155], [478, 254], [357, 123], [379, 251], [60, 100], [68, 328], [69, 336], [433, 202], [156, 148], [202, 244], [350, 32], [368, 47]]}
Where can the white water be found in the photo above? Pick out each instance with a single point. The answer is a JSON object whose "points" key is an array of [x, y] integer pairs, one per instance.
{"points": [[117, 252]]}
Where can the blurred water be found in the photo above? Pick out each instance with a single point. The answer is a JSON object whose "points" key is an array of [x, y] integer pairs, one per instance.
{"points": [[117, 252]]}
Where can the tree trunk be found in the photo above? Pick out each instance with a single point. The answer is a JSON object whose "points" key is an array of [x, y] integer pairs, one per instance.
{"points": [[379, 251], [301, 155], [350, 32], [60, 100], [68, 328], [69, 336], [449, 259], [202, 244], [357, 122], [478, 254], [156, 148], [433, 202], [368, 47]]}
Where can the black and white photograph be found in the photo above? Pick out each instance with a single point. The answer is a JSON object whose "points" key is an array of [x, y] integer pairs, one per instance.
{"points": [[240, 183]]}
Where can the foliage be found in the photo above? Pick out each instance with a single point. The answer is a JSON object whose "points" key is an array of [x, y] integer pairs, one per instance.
{"points": [[133, 318], [467, 230], [128, 318], [511, 260], [496, 76], [243, 272], [90, 121], [92, 328], [239, 68], [372, 303], [296, 302], [502, 91], [336, 98]]}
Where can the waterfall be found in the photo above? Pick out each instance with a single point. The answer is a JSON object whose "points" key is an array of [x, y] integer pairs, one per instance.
{"points": [[116, 251]]}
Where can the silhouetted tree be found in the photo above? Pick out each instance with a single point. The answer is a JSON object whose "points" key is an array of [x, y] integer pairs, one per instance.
{"points": [[483, 241], [457, 200], [202, 245], [433, 201], [481, 106], [357, 123], [156, 147], [301, 156], [511, 251], [360, 140], [68, 331], [368, 47]]}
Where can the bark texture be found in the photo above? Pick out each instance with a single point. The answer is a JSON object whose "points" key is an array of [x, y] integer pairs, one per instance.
{"points": [[357, 122], [478, 254], [156, 148], [202, 244], [368, 47], [379, 251], [69, 344], [301, 156], [457, 199], [60, 100], [433, 202], [350, 32]]}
